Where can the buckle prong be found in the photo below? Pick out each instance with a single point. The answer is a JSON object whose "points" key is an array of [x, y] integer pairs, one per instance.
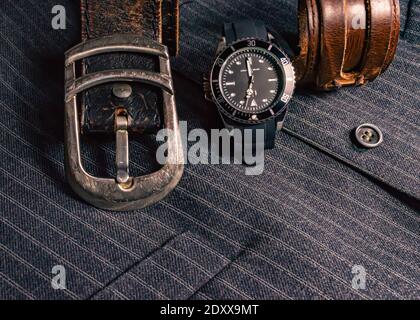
{"points": [[122, 150]]}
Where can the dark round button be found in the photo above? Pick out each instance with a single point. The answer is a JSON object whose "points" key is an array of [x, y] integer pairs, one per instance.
{"points": [[369, 135]]}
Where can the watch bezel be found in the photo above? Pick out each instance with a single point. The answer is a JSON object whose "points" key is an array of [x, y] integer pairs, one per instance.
{"points": [[283, 98]]}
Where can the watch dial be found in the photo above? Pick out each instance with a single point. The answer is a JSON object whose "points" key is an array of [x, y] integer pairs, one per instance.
{"points": [[251, 80]]}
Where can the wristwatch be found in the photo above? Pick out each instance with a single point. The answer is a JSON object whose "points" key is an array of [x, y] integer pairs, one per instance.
{"points": [[118, 81], [252, 79]]}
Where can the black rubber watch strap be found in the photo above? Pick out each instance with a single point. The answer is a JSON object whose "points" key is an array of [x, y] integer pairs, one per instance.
{"points": [[269, 128], [152, 19], [243, 29]]}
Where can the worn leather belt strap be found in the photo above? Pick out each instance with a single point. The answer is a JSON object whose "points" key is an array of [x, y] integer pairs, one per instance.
{"points": [[156, 20], [345, 42]]}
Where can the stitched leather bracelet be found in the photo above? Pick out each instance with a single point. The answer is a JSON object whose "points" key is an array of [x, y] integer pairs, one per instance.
{"points": [[345, 42]]}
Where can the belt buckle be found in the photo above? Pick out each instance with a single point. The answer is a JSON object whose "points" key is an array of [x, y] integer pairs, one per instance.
{"points": [[124, 192]]}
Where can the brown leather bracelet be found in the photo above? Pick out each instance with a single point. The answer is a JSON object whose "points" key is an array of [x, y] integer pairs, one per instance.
{"points": [[345, 42]]}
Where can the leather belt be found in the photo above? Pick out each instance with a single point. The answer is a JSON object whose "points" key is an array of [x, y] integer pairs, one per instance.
{"points": [[143, 18], [345, 42], [121, 75]]}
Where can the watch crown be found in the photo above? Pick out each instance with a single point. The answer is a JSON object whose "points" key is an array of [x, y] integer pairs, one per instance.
{"points": [[221, 45]]}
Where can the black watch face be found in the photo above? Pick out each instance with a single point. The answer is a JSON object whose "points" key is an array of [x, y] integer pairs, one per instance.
{"points": [[252, 81]]}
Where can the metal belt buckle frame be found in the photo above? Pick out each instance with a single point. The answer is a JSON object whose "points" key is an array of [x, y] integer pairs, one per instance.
{"points": [[124, 192]]}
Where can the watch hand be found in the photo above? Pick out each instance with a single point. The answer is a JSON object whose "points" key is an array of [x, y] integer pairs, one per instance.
{"points": [[249, 67], [250, 87], [249, 91], [246, 103]]}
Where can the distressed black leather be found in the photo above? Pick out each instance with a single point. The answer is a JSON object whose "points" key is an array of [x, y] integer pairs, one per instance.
{"points": [[144, 18]]}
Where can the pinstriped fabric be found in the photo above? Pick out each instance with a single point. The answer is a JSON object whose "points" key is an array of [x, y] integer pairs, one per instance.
{"points": [[412, 26], [315, 117], [177, 271], [14, 289], [295, 232], [397, 161], [404, 8]]}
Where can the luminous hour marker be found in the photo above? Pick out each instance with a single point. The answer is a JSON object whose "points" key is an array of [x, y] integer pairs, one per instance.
{"points": [[255, 69], [233, 94], [265, 100], [261, 61], [254, 103], [242, 102], [238, 63], [272, 91], [270, 68], [230, 72], [272, 80], [230, 83]]}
